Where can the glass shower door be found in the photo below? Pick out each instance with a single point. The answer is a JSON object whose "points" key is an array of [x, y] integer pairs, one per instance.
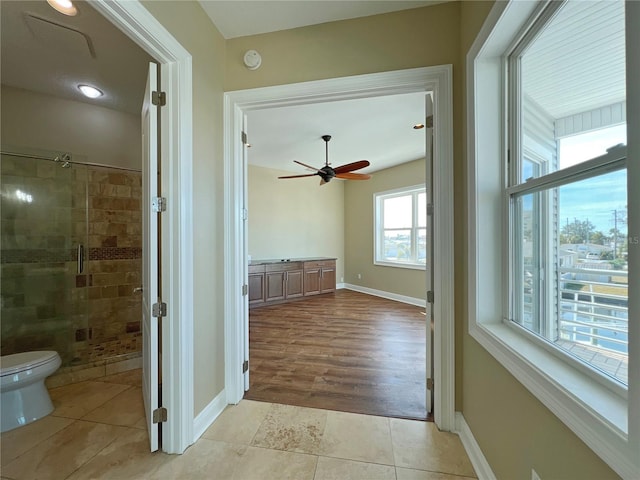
{"points": [[43, 231]]}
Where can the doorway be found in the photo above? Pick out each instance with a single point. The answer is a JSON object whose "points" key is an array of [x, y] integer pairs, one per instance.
{"points": [[434, 79]]}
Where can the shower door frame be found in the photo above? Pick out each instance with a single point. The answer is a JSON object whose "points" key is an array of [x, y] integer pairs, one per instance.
{"points": [[176, 180]]}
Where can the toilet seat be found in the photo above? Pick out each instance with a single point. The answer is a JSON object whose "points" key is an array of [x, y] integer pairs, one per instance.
{"points": [[19, 362]]}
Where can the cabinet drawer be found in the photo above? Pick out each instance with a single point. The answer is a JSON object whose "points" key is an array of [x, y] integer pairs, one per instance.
{"points": [[256, 269], [320, 264], [284, 266]]}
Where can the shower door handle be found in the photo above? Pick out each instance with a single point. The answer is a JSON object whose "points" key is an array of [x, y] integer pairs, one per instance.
{"points": [[80, 259]]}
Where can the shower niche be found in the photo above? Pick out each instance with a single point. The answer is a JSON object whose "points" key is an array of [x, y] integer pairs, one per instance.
{"points": [[71, 260]]}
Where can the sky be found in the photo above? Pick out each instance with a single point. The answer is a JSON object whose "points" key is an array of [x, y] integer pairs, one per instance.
{"points": [[597, 199]]}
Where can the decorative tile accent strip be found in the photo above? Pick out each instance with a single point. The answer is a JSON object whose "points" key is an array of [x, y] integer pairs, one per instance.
{"points": [[33, 255], [115, 253]]}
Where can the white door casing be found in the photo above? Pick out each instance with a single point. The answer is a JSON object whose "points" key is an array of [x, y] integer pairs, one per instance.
{"points": [[437, 79], [150, 268]]}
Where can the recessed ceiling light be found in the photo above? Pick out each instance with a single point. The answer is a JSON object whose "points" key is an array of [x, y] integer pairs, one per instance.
{"points": [[418, 126], [90, 91], [65, 7]]}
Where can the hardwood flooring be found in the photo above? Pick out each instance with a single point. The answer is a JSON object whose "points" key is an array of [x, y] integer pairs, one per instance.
{"points": [[346, 351]]}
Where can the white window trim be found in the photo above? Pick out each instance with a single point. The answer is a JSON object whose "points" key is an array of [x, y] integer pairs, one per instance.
{"points": [[607, 423], [378, 198]]}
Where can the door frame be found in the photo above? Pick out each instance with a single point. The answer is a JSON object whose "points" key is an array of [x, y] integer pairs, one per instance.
{"points": [[176, 181], [436, 79]]}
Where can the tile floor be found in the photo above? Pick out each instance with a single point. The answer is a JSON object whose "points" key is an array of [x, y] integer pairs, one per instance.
{"points": [[98, 431]]}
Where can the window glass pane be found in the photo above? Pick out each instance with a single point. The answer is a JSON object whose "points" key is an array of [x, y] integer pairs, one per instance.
{"points": [[578, 148], [422, 210], [572, 274], [398, 212], [422, 245], [573, 83], [397, 245]]}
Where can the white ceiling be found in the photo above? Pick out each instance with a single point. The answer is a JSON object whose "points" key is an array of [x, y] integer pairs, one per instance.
{"points": [[241, 18]]}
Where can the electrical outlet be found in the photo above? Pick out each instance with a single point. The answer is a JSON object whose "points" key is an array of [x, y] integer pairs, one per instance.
{"points": [[534, 475], [359, 276], [341, 279]]}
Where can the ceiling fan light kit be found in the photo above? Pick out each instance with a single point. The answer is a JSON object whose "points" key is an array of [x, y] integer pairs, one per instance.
{"points": [[326, 173]]}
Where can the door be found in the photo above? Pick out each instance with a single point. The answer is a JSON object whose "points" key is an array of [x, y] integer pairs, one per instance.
{"points": [[150, 259], [429, 247], [245, 254]]}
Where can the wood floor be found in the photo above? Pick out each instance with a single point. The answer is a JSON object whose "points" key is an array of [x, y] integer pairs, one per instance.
{"points": [[345, 351]]}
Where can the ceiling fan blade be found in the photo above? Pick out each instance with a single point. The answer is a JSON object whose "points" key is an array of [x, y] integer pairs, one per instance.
{"points": [[353, 176], [350, 167], [308, 166], [299, 176]]}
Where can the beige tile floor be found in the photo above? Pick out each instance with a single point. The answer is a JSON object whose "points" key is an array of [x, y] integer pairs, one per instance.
{"points": [[97, 431]]}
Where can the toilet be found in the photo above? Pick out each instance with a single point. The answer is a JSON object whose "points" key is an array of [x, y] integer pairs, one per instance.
{"points": [[23, 395]]}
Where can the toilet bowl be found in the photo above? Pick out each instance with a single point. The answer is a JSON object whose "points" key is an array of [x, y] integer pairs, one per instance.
{"points": [[23, 395]]}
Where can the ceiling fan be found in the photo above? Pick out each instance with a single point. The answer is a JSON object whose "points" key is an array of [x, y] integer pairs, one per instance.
{"points": [[326, 173]]}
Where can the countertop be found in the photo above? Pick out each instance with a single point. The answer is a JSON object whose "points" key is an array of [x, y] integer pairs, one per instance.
{"points": [[289, 260]]}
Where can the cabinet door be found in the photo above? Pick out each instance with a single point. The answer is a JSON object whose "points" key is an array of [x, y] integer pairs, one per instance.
{"points": [[312, 281], [294, 284], [327, 280], [275, 285], [256, 288]]}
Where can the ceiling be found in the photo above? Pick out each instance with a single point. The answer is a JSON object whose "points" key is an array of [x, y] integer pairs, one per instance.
{"points": [[377, 129], [241, 18]]}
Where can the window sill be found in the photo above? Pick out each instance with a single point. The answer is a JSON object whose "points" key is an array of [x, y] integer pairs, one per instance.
{"points": [[410, 266], [594, 413]]}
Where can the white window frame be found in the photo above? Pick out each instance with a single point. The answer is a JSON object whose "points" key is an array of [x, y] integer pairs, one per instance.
{"points": [[378, 200], [607, 422]]}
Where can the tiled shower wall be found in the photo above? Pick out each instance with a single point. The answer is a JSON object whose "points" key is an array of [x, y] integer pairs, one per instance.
{"points": [[88, 318]]}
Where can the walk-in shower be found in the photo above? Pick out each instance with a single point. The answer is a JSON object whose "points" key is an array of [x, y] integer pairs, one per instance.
{"points": [[71, 255]]}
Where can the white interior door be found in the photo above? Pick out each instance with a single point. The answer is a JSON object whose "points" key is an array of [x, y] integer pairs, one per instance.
{"points": [[150, 379], [245, 203], [430, 250]]}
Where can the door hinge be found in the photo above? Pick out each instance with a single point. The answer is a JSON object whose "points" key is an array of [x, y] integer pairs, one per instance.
{"points": [[159, 98], [159, 204], [159, 310], [245, 140], [160, 415], [245, 366], [430, 209], [430, 296], [245, 290], [244, 214], [429, 121], [429, 383]]}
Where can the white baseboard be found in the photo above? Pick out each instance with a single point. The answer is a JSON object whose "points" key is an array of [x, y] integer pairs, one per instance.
{"points": [[480, 464], [208, 415], [391, 296]]}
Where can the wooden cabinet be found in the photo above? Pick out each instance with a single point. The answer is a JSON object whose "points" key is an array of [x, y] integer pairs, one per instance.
{"points": [[256, 284], [282, 281], [319, 277]]}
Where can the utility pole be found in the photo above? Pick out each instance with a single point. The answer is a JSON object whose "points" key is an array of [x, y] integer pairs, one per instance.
{"points": [[615, 234]]}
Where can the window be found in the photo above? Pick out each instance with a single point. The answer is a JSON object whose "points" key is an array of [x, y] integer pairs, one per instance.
{"points": [[401, 227], [552, 227], [568, 272]]}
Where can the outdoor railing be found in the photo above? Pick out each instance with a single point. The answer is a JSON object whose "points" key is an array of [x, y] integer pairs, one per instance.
{"points": [[593, 307]]}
